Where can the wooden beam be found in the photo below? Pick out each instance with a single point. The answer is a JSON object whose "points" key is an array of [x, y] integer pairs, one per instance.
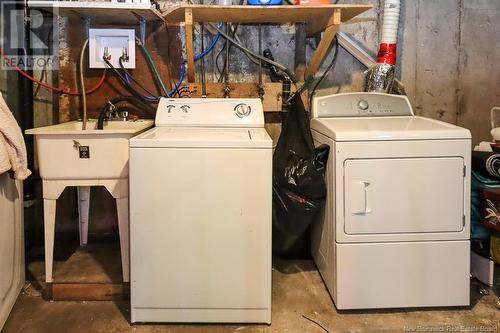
{"points": [[89, 291], [189, 44], [272, 92], [325, 43], [260, 14]]}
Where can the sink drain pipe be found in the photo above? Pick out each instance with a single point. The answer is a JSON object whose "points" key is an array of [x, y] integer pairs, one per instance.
{"points": [[380, 77]]}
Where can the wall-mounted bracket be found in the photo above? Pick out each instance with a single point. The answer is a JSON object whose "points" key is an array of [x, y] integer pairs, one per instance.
{"points": [[88, 21], [142, 28], [326, 42]]}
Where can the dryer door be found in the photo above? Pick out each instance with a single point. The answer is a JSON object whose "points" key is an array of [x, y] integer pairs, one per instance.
{"points": [[404, 195]]}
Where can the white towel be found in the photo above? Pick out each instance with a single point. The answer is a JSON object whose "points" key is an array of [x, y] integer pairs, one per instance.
{"points": [[13, 154]]}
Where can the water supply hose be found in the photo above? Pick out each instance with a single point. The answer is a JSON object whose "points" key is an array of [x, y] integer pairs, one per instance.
{"points": [[149, 59], [82, 83], [131, 99], [129, 76]]}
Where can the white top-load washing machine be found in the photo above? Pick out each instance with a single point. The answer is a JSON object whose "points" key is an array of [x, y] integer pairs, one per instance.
{"points": [[200, 214], [395, 230]]}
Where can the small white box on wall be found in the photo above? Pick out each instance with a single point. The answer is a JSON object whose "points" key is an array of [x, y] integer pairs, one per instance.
{"points": [[112, 43]]}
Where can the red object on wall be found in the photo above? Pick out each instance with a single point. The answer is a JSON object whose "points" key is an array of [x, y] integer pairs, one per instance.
{"points": [[387, 54]]}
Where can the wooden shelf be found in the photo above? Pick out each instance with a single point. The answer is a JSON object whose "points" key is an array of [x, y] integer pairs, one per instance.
{"points": [[325, 18], [316, 17], [116, 13]]}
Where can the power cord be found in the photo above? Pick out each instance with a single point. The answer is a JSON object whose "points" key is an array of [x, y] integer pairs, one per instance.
{"points": [[328, 69]]}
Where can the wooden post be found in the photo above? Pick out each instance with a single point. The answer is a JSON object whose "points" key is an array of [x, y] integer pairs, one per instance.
{"points": [[324, 45], [189, 44]]}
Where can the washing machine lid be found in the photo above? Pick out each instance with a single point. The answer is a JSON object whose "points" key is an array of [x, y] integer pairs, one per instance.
{"points": [[387, 128], [202, 137]]}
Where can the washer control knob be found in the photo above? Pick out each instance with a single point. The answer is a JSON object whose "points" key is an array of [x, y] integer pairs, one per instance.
{"points": [[242, 110], [185, 108], [363, 105], [170, 107]]}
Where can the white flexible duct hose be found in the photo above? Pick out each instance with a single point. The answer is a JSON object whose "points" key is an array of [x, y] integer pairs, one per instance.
{"points": [[391, 21], [381, 76]]}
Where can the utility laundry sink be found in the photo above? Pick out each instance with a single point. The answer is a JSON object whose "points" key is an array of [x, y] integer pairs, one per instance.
{"points": [[70, 156], [65, 151]]}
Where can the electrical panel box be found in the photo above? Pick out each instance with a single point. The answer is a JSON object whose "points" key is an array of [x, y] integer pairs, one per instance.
{"points": [[112, 44]]}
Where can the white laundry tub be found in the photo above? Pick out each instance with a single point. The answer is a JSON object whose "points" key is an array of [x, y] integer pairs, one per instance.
{"points": [[65, 151]]}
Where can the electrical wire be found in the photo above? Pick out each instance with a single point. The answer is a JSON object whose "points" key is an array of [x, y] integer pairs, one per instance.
{"points": [[128, 75], [290, 74], [327, 70], [50, 87], [82, 83]]}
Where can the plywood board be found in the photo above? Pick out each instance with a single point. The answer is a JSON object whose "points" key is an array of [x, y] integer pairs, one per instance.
{"points": [[100, 12], [95, 263], [163, 44], [325, 44], [91, 273], [272, 92], [88, 291], [317, 16]]}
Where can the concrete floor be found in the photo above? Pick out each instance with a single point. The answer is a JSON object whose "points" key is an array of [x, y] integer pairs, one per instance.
{"points": [[297, 290]]}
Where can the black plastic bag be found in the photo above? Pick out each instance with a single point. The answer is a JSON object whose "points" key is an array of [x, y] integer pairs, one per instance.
{"points": [[299, 187]]}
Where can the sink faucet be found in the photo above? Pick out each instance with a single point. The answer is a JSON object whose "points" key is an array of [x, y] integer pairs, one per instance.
{"points": [[114, 114]]}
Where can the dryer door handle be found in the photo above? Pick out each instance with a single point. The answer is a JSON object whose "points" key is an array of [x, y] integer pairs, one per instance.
{"points": [[359, 197]]}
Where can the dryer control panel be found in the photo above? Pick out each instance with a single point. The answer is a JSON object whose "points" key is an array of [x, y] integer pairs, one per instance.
{"points": [[361, 105], [223, 112]]}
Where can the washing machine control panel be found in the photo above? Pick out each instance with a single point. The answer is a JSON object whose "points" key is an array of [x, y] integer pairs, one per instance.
{"points": [[361, 105], [229, 112], [242, 110]]}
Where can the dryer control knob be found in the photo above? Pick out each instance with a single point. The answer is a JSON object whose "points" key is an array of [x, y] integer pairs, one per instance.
{"points": [[242, 110], [363, 105]]}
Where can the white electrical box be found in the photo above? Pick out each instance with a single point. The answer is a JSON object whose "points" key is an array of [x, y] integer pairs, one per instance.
{"points": [[113, 44]]}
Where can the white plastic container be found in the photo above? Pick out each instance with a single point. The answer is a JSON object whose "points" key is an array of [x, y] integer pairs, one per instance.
{"points": [[495, 124]]}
